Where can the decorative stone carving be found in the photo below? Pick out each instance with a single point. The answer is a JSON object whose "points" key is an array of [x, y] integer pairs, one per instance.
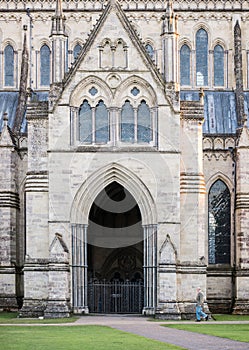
{"points": [[167, 252], [58, 249]]}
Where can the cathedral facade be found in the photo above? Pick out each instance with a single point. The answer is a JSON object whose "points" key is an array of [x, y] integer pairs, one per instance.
{"points": [[124, 147]]}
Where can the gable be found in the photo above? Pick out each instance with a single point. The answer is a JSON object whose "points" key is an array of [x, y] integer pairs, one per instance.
{"points": [[114, 45]]}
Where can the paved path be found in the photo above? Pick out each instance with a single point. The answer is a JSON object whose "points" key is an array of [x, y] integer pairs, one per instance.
{"points": [[143, 326], [153, 330]]}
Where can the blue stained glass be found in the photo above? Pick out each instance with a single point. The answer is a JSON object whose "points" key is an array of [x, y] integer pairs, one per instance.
{"points": [[76, 51], [93, 91], [135, 91], [218, 66], [219, 224], [85, 122], [185, 65], [201, 58], [9, 66], [45, 65], [150, 50], [127, 123], [144, 132], [101, 123]]}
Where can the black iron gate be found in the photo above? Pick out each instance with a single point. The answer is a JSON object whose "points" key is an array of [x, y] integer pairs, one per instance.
{"points": [[115, 297]]}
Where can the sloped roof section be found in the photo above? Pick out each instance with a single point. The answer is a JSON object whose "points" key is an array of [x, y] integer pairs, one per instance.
{"points": [[219, 110], [8, 104]]}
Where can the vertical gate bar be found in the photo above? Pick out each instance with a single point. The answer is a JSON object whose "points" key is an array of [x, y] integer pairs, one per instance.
{"points": [[103, 302]]}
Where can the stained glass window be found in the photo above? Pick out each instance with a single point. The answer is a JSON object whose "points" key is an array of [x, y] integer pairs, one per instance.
{"points": [[218, 66], [150, 50], [85, 122], [45, 65], [144, 132], [76, 51], [9, 66], [185, 65], [127, 123], [101, 123], [201, 58], [219, 224]]}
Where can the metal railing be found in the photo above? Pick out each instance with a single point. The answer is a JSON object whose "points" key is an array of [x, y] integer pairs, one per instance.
{"points": [[115, 297]]}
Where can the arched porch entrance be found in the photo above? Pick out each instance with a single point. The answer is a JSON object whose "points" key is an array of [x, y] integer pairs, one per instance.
{"points": [[114, 251]]}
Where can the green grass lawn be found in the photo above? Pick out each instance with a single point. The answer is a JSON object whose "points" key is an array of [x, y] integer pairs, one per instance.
{"points": [[74, 338], [226, 317], [11, 318], [231, 331]]}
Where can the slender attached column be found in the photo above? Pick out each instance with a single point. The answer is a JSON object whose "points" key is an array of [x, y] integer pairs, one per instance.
{"points": [[79, 268], [150, 269]]}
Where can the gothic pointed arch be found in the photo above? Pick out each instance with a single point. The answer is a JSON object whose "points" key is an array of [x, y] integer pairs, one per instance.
{"points": [[219, 176], [94, 184], [91, 87], [146, 92]]}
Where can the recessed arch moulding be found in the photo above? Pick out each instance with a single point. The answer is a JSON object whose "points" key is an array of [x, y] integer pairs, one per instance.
{"points": [[99, 180]]}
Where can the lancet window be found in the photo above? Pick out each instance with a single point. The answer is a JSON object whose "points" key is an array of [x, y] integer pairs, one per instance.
{"points": [[9, 66], [136, 125], [219, 224], [45, 65], [93, 123], [201, 58], [185, 65], [150, 51], [128, 120], [218, 65], [76, 51]]}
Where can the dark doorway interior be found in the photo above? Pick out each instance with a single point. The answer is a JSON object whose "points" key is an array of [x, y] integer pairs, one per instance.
{"points": [[115, 253]]}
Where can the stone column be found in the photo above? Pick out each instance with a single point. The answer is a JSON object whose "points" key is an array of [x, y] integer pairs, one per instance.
{"points": [[170, 48], [192, 255], [36, 193], [79, 268], [59, 44], [150, 269], [242, 223], [9, 208]]}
